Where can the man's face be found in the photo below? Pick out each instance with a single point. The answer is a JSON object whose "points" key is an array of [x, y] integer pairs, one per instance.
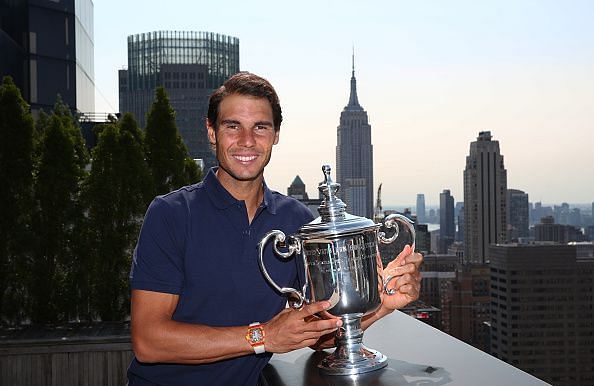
{"points": [[244, 137]]}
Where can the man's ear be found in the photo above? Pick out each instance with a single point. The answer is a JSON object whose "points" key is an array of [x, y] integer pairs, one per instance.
{"points": [[276, 136], [212, 137]]}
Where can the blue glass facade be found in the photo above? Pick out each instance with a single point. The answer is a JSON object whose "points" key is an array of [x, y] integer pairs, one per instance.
{"points": [[50, 51], [13, 44]]}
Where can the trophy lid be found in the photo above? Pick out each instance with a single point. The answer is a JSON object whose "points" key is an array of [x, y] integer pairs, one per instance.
{"points": [[333, 219]]}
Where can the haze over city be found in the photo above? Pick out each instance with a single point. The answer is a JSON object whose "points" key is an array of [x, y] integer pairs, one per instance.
{"points": [[430, 76]]}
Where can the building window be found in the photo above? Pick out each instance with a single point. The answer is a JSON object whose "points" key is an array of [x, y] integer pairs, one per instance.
{"points": [[33, 79], [66, 40]]}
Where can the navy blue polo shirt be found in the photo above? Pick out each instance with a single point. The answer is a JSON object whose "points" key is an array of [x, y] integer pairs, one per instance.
{"points": [[196, 242]]}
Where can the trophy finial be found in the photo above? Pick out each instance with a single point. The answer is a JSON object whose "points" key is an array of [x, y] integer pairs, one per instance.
{"points": [[326, 169], [332, 208], [331, 187]]}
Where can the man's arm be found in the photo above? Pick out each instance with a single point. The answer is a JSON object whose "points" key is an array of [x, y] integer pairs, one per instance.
{"points": [[158, 338]]}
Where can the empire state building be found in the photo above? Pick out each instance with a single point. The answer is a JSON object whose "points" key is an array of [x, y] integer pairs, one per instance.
{"points": [[354, 156]]}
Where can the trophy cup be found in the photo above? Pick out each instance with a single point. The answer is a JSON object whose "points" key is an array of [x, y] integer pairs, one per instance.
{"points": [[343, 266]]}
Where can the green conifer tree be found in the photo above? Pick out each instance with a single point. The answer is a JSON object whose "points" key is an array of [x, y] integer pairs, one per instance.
{"points": [[58, 218], [118, 192], [16, 167], [166, 154]]}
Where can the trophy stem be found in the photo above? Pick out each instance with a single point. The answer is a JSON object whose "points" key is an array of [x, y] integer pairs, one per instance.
{"points": [[351, 356]]}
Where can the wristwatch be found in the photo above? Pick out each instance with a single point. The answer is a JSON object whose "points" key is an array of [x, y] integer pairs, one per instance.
{"points": [[255, 337]]}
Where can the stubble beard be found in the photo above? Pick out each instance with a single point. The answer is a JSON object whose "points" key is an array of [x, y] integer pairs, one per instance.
{"points": [[237, 177]]}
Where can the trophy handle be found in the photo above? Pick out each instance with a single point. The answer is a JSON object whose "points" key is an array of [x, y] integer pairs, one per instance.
{"points": [[294, 246], [392, 222]]}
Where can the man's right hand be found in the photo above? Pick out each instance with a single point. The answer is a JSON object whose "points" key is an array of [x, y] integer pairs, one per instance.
{"points": [[294, 329]]}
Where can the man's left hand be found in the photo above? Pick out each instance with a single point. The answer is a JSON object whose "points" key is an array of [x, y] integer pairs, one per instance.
{"points": [[406, 282]]}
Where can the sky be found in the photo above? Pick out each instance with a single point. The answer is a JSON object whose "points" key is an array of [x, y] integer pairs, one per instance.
{"points": [[430, 74]]}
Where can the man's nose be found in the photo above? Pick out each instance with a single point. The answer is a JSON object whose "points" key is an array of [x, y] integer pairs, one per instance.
{"points": [[246, 137]]}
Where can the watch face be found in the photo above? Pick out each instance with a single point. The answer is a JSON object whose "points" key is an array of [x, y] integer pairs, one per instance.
{"points": [[256, 335]]}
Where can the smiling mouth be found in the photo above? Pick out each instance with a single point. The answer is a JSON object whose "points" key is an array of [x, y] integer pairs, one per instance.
{"points": [[245, 158]]}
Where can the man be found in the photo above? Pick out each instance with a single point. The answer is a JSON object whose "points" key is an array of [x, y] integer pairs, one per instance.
{"points": [[202, 313]]}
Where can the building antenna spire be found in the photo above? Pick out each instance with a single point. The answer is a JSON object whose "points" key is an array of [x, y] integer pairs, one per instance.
{"points": [[353, 100], [353, 60]]}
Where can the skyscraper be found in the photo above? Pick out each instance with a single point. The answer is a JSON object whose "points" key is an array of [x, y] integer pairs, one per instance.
{"points": [[517, 214], [485, 187], [421, 208], [47, 48], [354, 156], [190, 66], [447, 223], [542, 320]]}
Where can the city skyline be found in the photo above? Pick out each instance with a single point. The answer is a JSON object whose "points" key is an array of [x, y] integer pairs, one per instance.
{"points": [[432, 77]]}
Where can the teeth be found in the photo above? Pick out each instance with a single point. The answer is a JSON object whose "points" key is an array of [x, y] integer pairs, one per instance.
{"points": [[244, 158]]}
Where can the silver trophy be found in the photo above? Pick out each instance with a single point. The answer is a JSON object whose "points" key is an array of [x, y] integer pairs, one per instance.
{"points": [[343, 266]]}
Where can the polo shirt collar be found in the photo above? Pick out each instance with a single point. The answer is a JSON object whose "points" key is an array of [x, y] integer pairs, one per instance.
{"points": [[222, 199]]}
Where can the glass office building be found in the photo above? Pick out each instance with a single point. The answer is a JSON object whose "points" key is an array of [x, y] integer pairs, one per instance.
{"points": [[13, 46], [190, 66], [47, 47]]}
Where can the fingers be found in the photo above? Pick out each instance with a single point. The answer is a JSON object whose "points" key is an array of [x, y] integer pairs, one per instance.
{"points": [[323, 326], [314, 308], [293, 329], [403, 259], [401, 270], [402, 255], [407, 255], [315, 324], [408, 284], [414, 258]]}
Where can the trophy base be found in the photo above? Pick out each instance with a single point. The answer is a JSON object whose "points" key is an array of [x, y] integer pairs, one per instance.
{"points": [[350, 362]]}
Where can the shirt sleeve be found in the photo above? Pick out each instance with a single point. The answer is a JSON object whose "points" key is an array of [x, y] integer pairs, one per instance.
{"points": [[158, 260]]}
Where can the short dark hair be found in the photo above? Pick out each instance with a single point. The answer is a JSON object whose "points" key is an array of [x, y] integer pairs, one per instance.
{"points": [[245, 83]]}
